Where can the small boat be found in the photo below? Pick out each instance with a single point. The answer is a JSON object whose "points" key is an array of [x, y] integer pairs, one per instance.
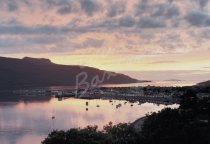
{"points": [[98, 106]]}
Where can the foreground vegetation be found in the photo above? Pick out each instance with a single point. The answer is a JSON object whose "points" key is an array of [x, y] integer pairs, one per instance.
{"points": [[189, 124]]}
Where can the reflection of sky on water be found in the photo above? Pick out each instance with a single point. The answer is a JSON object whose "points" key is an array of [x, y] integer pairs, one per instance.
{"points": [[155, 83], [23, 123]]}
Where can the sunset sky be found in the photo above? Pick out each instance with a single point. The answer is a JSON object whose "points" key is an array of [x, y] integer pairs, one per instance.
{"points": [[116, 35]]}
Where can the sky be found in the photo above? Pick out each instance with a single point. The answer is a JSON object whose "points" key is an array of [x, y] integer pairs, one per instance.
{"points": [[115, 35]]}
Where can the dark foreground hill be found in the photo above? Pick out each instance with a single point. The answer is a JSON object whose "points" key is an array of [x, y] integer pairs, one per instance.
{"points": [[31, 72], [205, 84]]}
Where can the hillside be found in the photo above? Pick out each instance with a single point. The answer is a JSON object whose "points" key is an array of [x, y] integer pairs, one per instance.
{"points": [[32, 72], [206, 84]]}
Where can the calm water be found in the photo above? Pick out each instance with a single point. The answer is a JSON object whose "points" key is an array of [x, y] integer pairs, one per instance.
{"points": [[25, 122], [155, 83]]}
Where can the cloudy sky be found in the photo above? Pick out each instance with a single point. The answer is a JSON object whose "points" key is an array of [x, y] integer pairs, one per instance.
{"points": [[118, 35]]}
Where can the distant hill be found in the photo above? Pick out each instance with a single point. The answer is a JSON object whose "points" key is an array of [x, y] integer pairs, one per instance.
{"points": [[32, 72], [206, 84]]}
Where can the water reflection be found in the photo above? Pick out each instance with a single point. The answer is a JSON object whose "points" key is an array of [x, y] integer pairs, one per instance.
{"points": [[23, 122], [154, 83]]}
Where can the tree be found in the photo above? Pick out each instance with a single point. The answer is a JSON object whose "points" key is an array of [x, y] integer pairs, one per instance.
{"points": [[189, 100], [174, 126], [121, 134], [88, 135]]}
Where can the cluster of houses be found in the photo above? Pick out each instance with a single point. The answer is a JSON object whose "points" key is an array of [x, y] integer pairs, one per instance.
{"points": [[149, 93]]}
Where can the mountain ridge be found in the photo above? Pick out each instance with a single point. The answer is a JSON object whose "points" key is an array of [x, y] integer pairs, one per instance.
{"points": [[205, 83], [40, 72]]}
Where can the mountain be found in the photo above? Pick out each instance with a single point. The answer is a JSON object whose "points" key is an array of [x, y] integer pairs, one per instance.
{"points": [[32, 72], [205, 84]]}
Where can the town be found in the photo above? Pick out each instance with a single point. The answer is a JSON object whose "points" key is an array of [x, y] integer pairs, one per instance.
{"points": [[160, 95]]}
